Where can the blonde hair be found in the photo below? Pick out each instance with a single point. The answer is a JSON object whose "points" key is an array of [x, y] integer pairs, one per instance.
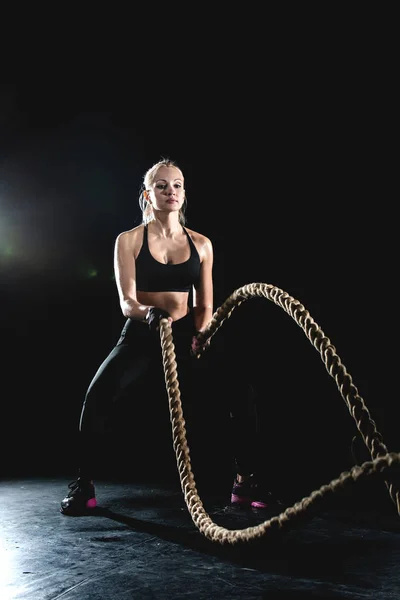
{"points": [[148, 180]]}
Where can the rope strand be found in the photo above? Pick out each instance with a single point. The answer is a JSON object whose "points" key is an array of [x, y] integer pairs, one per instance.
{"points": [[383, 464]]}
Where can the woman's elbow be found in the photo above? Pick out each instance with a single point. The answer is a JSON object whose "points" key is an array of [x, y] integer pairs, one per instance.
{"points": [[126, 307]]}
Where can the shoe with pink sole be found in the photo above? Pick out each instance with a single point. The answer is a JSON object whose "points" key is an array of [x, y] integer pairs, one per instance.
{"points": [[252, 493], [80, 499]]}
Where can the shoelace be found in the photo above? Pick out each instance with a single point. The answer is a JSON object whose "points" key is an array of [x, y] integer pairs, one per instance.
{"points": [[74, 485]]}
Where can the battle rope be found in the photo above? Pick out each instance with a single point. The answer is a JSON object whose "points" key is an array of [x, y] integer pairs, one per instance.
{"points": [[382, 465]]}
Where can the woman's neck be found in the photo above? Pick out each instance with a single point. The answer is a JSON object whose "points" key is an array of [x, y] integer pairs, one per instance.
{"points": [[167, 228]]}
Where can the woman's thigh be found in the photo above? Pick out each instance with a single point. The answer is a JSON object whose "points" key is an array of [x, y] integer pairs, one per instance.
{"points": [[123, 370]]}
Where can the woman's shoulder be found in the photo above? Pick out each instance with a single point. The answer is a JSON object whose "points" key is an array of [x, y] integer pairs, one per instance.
{"points": [[131, 236], [202, 242], [198, 237]]}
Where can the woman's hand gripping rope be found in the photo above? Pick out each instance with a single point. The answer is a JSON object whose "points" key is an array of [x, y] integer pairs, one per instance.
{"points": [[199, 344]]}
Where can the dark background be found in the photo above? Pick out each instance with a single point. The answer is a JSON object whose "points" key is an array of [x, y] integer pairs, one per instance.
{"points": [[290, 175]]}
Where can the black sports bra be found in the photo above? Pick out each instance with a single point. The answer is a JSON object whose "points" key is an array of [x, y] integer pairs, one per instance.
{"points": [[154, 276]]}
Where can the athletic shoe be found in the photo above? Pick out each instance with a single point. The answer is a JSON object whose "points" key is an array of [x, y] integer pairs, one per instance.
{"points": [[80, 499]]}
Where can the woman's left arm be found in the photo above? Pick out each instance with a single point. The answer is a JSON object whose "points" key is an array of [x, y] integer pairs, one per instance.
{"points": [[203, 294]]}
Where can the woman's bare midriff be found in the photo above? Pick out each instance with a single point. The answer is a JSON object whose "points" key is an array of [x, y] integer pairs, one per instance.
{"points": [[175, 303]]}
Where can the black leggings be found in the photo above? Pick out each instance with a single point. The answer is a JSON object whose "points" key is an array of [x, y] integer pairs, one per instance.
{"points": [[133, 373]]}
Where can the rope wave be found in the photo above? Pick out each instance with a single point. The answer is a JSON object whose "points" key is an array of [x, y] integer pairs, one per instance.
{"points": [[383, 465]]}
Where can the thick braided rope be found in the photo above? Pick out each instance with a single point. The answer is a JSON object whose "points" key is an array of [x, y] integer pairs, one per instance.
{"points": [[382, 464]]}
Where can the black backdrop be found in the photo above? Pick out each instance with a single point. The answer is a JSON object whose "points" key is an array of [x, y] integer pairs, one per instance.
{"points": [[298, 196]]}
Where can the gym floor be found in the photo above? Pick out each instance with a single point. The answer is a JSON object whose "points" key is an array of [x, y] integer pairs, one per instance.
{"points": [[142, 543]]}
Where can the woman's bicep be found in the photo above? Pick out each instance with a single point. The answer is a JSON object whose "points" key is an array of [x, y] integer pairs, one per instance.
{"points": [[204, 291], [124, 267]]}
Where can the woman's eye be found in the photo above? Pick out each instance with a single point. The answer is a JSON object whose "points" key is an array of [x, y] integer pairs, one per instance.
{"points": [[177, 185], [161, 186]]}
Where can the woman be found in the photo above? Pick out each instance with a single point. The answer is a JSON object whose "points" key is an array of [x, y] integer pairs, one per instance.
{"points": [[162, 269]]}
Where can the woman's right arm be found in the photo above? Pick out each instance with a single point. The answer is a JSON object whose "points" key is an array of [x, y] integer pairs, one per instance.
{"points": [[125, 276]]}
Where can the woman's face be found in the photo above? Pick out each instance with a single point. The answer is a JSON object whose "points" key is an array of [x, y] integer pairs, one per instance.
{"points": [[167, 192]]}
